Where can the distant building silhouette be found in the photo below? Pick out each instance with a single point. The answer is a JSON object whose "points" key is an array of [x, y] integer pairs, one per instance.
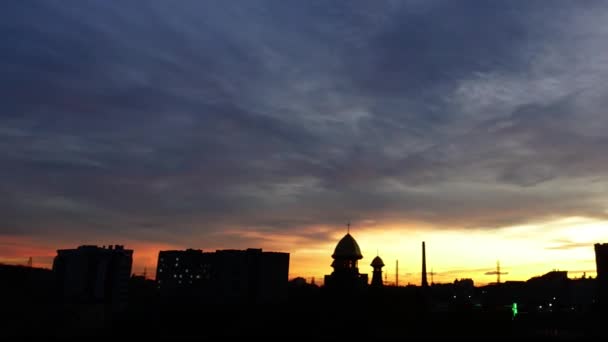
{"points": [[235, 276], [91, 274], [601, 263], [298, 282], [346, 277], [18, 281], [377, 264], [26, 301]]}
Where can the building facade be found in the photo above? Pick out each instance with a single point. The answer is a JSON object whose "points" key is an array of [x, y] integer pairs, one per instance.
{"points": [[224, 276], [94, 275], [183, 272]]}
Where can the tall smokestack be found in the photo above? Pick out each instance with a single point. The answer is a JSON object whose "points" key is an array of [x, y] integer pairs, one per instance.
{"points": [[424, 282]]}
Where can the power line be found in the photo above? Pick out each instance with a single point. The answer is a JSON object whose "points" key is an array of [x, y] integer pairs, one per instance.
{"points": [[497, 272]]}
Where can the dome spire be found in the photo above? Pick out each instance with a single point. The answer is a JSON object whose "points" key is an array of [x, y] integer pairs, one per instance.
{"points": [[347, 249], [346, 276]]}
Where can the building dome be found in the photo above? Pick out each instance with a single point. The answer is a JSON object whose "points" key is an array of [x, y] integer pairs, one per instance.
{"points": [[347, 248], [377, 262]]}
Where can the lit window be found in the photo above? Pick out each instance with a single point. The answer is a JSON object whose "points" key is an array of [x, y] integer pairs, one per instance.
{"points": [[177, 259], [186, 270], [176, 265], [159, 281], [160, 270], [180, 275], [198, 276], [175, 276], [180, 282]]}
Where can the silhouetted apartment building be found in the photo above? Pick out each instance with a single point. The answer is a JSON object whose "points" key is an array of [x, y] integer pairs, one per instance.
{"points": [[91, 274], [235, 276], [601, 263]]}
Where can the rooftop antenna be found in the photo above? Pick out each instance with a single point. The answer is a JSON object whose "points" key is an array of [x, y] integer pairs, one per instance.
{"points": [[348, 228], [30, 262], [432, 274]]}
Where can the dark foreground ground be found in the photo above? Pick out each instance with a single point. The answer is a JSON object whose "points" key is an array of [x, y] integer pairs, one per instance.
{"points": [[312, 317]]}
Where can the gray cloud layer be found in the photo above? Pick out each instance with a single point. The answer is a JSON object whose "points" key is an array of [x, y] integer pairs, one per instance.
{"points": [[147, 119]]}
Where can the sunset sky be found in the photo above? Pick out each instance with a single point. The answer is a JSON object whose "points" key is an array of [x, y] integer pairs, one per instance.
{"points": [[480, 127]]}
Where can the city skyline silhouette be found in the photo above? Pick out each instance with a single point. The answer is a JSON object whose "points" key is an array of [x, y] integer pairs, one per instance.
{"points": [[230, 131], [91, 290], [216, 126], [410, 271]]}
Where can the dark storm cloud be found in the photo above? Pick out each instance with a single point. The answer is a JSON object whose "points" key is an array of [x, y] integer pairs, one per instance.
{"points": [[150, 118]]}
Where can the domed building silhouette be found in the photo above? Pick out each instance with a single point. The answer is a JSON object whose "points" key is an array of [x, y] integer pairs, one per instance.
{"points": [[346, 276]]}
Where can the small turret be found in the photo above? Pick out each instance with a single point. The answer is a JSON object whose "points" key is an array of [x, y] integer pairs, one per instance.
{"points": [[377, 264]]}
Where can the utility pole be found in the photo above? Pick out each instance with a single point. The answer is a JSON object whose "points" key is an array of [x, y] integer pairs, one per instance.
{"points": [[397, 273], [497, 272]]}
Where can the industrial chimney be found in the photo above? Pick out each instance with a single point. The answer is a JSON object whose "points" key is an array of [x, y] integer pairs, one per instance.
{"points": [[425, 284]]}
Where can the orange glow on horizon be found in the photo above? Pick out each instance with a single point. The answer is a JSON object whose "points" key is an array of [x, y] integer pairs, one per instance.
{"points": [[523, 251]]}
